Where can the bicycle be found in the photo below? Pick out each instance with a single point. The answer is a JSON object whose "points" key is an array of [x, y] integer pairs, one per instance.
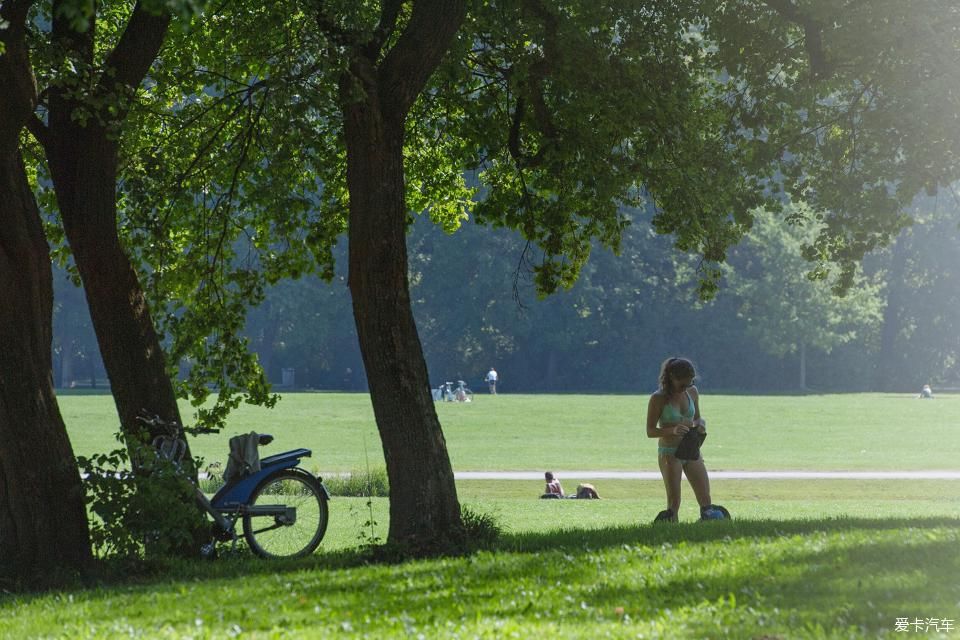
{"points": [[448, 393], [283, 507]]}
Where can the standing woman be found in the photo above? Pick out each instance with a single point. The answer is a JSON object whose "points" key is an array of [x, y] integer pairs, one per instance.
{"points": [[673, 410]]}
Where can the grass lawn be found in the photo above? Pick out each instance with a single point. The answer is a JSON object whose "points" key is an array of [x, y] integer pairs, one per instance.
{"points": [[837, 432], [792, 578], [801, 559]]}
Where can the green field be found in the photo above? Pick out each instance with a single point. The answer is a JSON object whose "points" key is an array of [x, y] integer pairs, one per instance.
{"points": [[532, 432], [801, 559]]}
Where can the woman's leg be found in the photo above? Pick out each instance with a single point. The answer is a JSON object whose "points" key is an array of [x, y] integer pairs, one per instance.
{"points": [[671, 470], [696, 472]]}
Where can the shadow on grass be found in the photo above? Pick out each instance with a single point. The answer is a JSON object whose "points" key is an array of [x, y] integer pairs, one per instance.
{"points": [[762, 578], [242, 563], [656, 534]]}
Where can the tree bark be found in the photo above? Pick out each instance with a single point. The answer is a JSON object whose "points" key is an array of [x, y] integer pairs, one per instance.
{"points": [[83, 158], [83, 165], [43, 520], [424, 509]]}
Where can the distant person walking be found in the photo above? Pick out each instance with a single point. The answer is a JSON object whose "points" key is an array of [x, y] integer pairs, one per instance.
{"points": [[492, 380], [672, 412]]}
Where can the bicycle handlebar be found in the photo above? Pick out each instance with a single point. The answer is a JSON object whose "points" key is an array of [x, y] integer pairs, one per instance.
{"points": [[174, 427]]}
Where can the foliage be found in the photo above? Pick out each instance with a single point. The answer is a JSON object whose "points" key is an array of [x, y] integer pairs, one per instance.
{"points": [[222, 229], [857, 102], [787, 310], [573, 110], [147, 512]]}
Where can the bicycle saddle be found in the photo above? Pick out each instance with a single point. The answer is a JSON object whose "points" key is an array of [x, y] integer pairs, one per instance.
{"points": [[264, 438]]}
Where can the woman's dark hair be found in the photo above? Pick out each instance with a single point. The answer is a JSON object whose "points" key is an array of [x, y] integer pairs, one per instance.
{"points": [[675, 368]]}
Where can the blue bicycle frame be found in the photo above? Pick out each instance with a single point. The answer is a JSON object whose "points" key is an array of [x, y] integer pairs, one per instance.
{"points": [[254, 498], [234, 495]]}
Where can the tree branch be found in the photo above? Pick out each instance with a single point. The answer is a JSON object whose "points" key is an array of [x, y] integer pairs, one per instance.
{"points": [[328, 25], [389, 14], [138, 47], [540, 71], [39, 130], [513, 138], [410, 63], [812, 30]]}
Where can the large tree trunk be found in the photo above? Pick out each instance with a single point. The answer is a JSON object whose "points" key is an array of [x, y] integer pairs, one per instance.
{"points": [[83, 165], [43, 520], [83, 159], [424, 509]]}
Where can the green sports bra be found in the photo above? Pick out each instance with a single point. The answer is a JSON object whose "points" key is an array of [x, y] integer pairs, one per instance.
{"points": [[670, 413]]}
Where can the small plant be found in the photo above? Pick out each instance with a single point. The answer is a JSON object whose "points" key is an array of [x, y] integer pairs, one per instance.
{"points": [[368, 530], [482, 530], [212, 479], [372, 483]]}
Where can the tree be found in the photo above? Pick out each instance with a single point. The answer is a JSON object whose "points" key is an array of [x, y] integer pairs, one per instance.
{"points": [[567, 110], [786, 311], [378, 88], [43, 526], [536, 124], [89, 83]]}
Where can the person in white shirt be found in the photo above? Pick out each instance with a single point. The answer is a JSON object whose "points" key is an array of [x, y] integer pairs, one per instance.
{"points": [[492, 380]]}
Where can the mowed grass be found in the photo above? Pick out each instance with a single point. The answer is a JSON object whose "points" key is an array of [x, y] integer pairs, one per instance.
{"points": [[632, 503], [801, 559], [868, 431], [820, 578]]}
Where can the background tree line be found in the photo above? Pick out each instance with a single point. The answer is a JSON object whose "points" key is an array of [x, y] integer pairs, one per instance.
{"points": [[475, 308]]}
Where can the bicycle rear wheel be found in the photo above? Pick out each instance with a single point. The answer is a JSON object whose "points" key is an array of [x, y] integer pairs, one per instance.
{"points": [[287, 515]]}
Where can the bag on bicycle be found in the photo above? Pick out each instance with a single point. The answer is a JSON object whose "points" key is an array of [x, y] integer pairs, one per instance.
{"points": [[244, 457]]}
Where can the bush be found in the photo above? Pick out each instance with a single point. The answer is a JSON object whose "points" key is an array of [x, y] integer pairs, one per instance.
{"points": [[150, 511], [481, 529], [360, 484]]}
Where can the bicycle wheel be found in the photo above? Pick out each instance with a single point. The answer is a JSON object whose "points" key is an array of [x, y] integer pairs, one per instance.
{"points": [[271, 526]]}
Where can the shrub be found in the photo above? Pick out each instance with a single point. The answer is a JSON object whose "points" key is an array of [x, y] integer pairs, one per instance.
{"points": [[360, 484], [150, 511], [481, 529]]}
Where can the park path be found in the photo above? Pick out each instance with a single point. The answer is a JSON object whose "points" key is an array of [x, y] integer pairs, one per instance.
{"points": [[718, 475]]}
